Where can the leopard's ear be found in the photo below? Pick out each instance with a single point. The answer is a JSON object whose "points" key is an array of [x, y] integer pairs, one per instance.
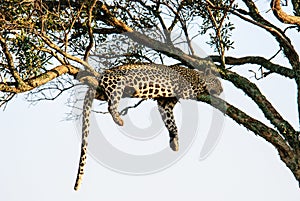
{"points": [[207, 72]]}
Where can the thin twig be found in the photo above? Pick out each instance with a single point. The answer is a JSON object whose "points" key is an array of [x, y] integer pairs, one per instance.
{"points": [[125, 110], [7, 99]]}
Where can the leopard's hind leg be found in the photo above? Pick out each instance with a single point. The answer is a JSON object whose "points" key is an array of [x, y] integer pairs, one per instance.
{"points": [[165, 107]]}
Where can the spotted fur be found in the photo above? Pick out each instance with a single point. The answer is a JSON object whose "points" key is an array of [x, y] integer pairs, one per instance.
{"points": [[87, 105], [166, 84]]}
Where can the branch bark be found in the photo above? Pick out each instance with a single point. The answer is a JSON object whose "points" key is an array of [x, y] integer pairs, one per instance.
{"points": [[250, 123], [288, 49], [47, 40], [281, 15], [90, 32], [39, 80], [273, 68], [296, 6], [282, 39], [10, 63], [288, 155]]}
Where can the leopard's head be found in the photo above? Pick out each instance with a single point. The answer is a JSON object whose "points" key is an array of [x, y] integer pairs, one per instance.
{"points": [[212, 83]]}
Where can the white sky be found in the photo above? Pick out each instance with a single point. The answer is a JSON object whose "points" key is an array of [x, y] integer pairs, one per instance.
{"points": [[40, 151]]}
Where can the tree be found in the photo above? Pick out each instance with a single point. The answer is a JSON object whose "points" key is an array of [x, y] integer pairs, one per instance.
{"points": [[45, 44]]}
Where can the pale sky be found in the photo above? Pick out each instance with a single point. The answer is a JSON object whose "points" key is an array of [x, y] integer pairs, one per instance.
{"points": [[40, 151]]}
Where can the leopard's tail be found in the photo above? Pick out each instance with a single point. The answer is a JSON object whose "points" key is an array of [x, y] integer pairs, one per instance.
{"points": [[87, 107]]}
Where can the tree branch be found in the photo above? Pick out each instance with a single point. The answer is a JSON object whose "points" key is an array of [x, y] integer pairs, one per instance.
{"points": [[266, 107], [176, 53], [288, 49], [281, 15], [273, 68], [46, 39], [5, 100], [106, 31], [90, 32], [250, 123], [10, 63], [296, 6], [39, 80], [287, 155], [125, 110]]}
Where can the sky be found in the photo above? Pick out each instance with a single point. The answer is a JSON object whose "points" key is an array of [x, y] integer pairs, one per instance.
{"points": [[40, 149]]}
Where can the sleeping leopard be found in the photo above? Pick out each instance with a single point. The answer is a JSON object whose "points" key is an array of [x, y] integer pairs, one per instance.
{"points": [[165, 84]]}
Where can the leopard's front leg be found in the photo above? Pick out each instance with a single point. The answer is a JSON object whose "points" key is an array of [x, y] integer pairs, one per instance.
{"points": [[114, 95], [113, 110], [165, 107]]}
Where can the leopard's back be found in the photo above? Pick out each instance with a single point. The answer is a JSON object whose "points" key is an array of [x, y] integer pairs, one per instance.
{"points": [[148, 81]]}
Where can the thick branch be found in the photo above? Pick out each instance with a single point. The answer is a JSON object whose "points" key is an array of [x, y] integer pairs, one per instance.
{"points": [[266, 107], [288, 49], [284, 71], [52, 74], [281, 15], [113, 21], [287, 155], [39, 80], [250, 123]]}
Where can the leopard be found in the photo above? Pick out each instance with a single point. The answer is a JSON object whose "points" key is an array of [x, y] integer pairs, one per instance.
{"points": [[162, 83]]}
